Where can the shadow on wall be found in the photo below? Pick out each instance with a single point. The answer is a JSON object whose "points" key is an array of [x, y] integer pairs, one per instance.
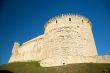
{"points": [[5, 71]]}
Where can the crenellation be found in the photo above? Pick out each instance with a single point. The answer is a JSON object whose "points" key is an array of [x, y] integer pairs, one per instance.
{"points": [[60, 19]]}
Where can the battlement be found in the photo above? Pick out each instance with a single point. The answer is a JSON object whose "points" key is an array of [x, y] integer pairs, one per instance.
{"points": [[66, 20], [34, 39]]}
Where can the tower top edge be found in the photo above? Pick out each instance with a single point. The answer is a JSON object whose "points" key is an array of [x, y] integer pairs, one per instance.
{"points": [[66, 15]]}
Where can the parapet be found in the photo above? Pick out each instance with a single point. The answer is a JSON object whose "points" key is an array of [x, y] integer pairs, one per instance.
{"points": [[34, 39], [65, 20]]}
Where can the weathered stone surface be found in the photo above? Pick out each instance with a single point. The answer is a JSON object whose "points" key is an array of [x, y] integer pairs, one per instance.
{"points": [[103, 59], [67, 39]]}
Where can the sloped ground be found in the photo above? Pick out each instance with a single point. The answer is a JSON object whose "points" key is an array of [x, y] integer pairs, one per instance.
{"points": [[34, 67]]}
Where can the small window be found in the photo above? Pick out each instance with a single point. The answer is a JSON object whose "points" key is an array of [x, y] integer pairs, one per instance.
{"points": [[56, 21], [77, 26], [62, 36], [63, 63], [69, 19], [82, 20]]}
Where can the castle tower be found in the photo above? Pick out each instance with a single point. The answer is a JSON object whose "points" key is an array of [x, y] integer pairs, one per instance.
{"points": [[68, 39]]}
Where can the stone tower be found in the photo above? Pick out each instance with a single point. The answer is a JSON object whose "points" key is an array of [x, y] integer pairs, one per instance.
{"points": [[67, 39]]}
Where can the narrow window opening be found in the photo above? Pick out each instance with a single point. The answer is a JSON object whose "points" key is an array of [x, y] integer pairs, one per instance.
{"points": [[56, 21], [77, 26], [63, 63], [69, 19], [62, 36], [82, 20]]}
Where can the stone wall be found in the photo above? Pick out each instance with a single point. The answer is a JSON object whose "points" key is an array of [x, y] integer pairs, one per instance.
{"points": [[67, 39], [29, 51], [103, 59]]}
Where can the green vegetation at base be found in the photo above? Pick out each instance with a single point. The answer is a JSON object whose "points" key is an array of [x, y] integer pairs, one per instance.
{"points": [[34, 67]]}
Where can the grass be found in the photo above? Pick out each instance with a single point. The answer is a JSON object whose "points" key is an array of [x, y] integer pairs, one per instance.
{"points": [[34, 67]]}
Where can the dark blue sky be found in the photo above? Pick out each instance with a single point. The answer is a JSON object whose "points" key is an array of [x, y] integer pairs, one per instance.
{"points": [[22, 20]]}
